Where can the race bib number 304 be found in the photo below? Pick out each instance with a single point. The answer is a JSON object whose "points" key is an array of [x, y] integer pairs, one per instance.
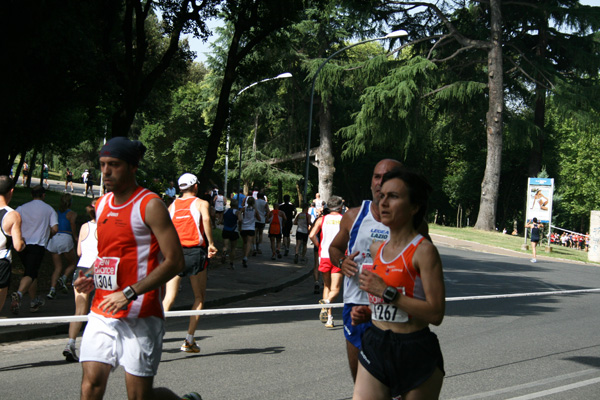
{"points": [[382, 311], [105, 273]]}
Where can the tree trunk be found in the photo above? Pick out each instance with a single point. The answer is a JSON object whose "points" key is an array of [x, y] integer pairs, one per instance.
{"points": [[486, 218], [539, 119], [325, 157]]}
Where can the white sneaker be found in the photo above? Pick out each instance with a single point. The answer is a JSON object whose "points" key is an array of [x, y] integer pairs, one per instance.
{"points": [[70, 353], [533, 260], [329, 323]]}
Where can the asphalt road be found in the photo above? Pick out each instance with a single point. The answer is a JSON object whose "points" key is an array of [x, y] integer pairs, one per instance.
{"points": [[504, 348]]}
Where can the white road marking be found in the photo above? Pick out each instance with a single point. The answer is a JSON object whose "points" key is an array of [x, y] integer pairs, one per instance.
{"points": [[532, 385]]}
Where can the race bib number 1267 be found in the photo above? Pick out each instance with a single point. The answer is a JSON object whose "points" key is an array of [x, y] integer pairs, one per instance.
{"points": [[105, 273]]}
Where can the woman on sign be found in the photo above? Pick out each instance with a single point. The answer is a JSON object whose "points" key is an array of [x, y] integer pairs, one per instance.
{"points": [[400, 356]]}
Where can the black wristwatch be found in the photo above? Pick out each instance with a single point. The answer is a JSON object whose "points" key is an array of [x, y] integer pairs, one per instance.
{"points": [[341, 261], [389, 294], [129, 293]]}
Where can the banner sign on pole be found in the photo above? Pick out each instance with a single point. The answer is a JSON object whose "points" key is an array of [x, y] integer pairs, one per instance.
{"points": [[539, 199]]}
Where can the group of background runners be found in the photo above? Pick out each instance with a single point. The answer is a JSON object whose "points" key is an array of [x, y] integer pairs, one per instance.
{"points": [[392, 290]]}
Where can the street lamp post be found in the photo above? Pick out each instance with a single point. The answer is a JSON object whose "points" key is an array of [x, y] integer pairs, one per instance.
{"points": [[395, 34], [280, 76]]}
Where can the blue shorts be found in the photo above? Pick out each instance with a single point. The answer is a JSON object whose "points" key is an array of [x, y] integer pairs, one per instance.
{"points": [[353, 333]]}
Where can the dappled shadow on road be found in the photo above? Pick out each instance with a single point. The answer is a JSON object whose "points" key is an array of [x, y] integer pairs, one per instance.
{"points": [[574, 358], [586, 360], [485, 274], [239, 352], [35, 365], [235, 321]]}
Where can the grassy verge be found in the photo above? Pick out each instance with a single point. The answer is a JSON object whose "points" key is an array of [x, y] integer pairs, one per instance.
{"points": [[509, 242]]}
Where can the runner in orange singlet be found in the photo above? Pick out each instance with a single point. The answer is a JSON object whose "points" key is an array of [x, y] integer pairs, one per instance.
{"points": [[138, 252], [191, 217], [400, 356]]}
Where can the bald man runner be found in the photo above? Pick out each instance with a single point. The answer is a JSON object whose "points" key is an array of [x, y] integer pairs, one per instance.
{"points": [[359, 228]]}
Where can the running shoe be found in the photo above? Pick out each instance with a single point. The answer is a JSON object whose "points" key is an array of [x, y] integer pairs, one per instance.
{"points": [[278, 254], [70, 353], [323, 313], [190, 347], [15, 304], [35, 305], [273, 257], [62, 285], [244, 263], [191, 396], [533, 260], [317, 289], [330, 323], [295, 258], [51, 294]]}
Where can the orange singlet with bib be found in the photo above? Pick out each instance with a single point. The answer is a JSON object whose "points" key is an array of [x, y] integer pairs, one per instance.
{"points": [[399, 273], [127, 252]]}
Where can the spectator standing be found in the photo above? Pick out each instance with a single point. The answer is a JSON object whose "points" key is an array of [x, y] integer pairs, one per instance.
{"points": [[62, 244], [39, 223], [10, 235]]}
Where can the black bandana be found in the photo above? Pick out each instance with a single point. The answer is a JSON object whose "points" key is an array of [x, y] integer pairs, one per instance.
{"points": [[130, 151]]}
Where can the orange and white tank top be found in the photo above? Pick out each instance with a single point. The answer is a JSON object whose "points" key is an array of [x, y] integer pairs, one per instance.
{"points": [[399, 273], [188, 222], [127, 252], [276, 222], [330, 226]]}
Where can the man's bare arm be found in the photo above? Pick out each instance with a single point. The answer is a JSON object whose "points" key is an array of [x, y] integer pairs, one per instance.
{"points": [[13, 225], [339, 245], [203, 207], [158, 220]]}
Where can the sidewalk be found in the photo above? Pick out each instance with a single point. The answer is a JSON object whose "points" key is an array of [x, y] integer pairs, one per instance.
{"points": [[224, 286]]}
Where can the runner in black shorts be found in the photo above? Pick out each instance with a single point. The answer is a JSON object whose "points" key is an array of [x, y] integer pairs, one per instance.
{"points": [[400, 356]]}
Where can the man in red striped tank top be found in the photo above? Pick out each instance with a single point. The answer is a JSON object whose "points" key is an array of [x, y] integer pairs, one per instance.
{"points": [[138, 252]]}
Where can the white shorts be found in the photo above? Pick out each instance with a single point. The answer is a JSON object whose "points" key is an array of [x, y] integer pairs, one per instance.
{"points": [[134, 343], [60, 243]]}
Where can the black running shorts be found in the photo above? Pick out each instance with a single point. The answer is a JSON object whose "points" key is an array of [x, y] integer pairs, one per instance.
{"points": [[402, 362]]}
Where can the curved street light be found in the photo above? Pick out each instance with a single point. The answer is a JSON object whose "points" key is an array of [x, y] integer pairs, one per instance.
{"points": [[391, 35], [280, 76]]}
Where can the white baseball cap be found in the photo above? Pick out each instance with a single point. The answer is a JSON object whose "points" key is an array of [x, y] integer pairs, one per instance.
{"points": [[186, 180]]}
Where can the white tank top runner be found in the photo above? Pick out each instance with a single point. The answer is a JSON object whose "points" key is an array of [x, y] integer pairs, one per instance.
{"points": [[364, 232], [329, 228], [248, 220], [89, 247], [5, 239]]}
